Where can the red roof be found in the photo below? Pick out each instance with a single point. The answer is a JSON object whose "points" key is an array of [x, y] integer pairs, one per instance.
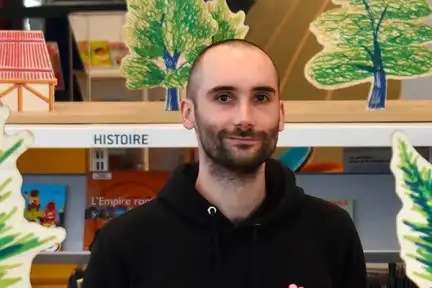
{"points": [[24, 56]]}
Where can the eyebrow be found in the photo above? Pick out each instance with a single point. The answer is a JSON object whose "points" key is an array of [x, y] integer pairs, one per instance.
{"points": [[233, 88]]}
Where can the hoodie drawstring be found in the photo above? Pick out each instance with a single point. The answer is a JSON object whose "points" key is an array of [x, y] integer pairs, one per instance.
{"points": [[254, 252], [254, 260], [212, 212]]}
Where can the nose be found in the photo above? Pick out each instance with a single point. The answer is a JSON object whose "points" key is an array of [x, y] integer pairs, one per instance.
{"points": [[244, 117]]}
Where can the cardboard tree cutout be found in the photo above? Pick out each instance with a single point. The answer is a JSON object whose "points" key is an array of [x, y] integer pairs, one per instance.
{"points": [[371, 41], [413, 175], [20, 240], [165, 36]]}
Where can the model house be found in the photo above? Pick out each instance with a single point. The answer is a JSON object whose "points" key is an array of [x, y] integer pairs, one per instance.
{"points": [[27, 79]]}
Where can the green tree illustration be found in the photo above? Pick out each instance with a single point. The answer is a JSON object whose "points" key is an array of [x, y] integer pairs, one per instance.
{"points": [[165, 37], [414, 182], [371, 41], [230, 25], [13, 241]]}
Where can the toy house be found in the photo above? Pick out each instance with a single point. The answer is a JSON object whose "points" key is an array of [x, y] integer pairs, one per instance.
{"points": [[27, 80]]}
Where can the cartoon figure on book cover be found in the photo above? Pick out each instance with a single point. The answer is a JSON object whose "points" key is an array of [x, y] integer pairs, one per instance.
{"points": [[413, 176], [45, 205], [21, 240]]}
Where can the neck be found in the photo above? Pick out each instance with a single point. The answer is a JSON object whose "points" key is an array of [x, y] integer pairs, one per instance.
{"points": [[235, 196]]}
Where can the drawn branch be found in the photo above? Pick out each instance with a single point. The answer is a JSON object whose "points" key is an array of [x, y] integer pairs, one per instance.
{"points": [[370, 13], [370, 53], [367, 68], [383, 13]]}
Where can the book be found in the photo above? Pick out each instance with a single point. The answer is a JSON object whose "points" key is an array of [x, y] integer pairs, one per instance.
{"points": [[95, 54], [45, 204], [118, 50], [115, 193], [102, 54]]}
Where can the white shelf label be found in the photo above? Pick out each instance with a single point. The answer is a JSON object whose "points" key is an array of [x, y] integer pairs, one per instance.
{"points": [[120, 139]]}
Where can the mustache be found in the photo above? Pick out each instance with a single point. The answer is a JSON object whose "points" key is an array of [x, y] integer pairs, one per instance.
{"points": [[238, 132]]}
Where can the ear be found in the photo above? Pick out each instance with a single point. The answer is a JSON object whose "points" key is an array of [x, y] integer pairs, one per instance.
{"points": [[281, 116], [187, 111]]}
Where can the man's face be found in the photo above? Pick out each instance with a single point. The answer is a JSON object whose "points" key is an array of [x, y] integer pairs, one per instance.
{"points": [[237, 114]]}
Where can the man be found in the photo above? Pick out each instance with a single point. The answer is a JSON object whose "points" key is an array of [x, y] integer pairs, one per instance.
{"points": [[236, 219]]}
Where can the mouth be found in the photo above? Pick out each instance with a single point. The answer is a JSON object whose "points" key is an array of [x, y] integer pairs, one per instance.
{"points": [[243, 140]]}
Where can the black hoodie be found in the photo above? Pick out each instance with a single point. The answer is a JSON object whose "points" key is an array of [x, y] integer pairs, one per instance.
{"points": [[179, 240]]}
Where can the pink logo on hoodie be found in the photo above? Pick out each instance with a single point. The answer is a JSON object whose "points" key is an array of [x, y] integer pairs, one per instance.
{"points": [[294, 286]]}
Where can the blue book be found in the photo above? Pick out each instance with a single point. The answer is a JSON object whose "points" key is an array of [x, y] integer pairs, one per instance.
{"points": [[45, 204]]}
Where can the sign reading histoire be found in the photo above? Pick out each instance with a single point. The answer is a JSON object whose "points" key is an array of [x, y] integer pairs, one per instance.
{"points": [[121, 139]]}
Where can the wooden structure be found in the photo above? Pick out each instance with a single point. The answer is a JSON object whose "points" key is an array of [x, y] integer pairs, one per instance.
{"points": [[299, 112], [27, 80]]}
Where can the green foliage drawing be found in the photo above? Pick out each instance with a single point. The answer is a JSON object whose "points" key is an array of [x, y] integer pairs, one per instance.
{"points": [[165, 36], [20, 240], [413, 176], [12, 244], [230, 25], [371, 40]]}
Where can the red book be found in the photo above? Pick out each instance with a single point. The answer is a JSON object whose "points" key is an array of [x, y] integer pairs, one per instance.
{"points": [[114, 193]]}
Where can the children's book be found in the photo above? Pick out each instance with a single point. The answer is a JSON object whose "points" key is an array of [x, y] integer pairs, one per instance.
{"points": [[112, 194], [118, 51], [102, 54], [45, 204], [95, 54]]}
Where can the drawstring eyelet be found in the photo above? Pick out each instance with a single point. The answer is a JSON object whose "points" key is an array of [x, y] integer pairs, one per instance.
{"points": [[212, 210]]}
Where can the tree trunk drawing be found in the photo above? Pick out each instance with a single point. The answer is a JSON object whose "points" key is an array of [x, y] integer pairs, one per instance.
{"points": [[378, 95], [172, 99], [172, 103]]}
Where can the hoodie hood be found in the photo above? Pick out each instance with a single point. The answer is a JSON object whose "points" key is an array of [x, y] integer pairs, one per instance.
{"points": [[282, 196]]}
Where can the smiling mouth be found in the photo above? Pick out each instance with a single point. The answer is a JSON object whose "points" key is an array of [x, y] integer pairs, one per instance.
{"points": [[242, 139]]}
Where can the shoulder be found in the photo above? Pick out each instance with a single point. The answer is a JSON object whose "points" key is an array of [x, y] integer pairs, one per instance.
{"points": [[328, 219], [320, 207], [137, 222]]}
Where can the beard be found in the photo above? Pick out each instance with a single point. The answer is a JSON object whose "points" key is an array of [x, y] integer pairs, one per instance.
{"points": [[236, 159]]}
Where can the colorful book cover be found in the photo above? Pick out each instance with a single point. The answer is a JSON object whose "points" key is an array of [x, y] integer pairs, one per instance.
{"points": [[95, 54], [54, 53], [112, 194], [45, 204], [118, 50]]}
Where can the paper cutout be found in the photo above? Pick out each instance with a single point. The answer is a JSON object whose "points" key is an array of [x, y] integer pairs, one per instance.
{"points": [[165, 37], [20, 240], [413, 175], [371, 41]]}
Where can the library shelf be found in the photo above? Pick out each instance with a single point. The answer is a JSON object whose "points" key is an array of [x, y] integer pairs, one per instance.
{"points": [[63, 257], [382, 256], [146, 124]]}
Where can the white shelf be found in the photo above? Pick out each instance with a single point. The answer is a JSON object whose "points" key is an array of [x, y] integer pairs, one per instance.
{"points": [[83, 257], [175, 135]]}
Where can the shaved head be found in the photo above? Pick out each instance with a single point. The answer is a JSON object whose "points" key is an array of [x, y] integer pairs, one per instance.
{"points": [[217, 50]]}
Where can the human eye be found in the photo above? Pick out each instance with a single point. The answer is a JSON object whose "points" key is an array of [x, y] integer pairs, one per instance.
{"points": [[223, 97], [262, 97]]}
